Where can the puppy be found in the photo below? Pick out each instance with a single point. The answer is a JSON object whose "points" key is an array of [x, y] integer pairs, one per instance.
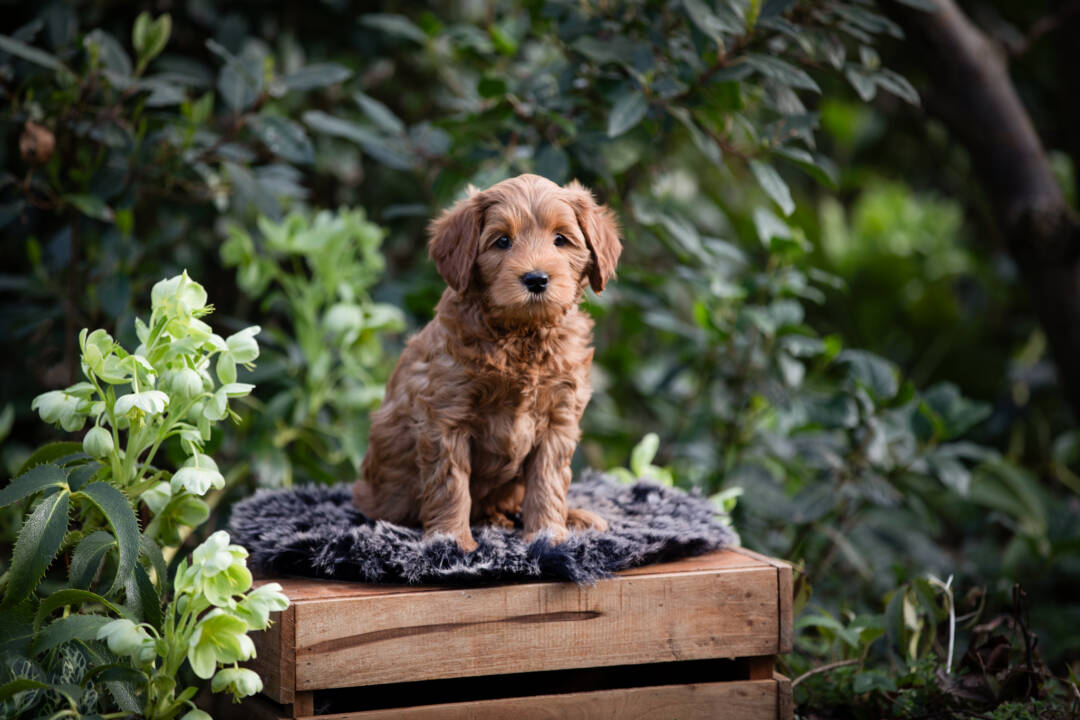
{"points": [[481, 412]]}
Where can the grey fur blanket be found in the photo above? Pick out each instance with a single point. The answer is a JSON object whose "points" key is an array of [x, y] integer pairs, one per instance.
{"points": [[315, 531]]}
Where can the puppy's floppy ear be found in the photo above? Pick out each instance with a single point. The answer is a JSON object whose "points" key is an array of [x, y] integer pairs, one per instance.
{"points": [[598, 224], [454, 240]]}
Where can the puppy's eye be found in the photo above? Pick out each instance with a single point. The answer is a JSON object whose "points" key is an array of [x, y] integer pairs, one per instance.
{"points": [[503, 242], [561, 240]]}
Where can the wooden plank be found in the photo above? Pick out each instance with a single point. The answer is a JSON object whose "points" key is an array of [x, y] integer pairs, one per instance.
{"points": [[275, 656], [350, 641], [785, 590], [785, 701], [746, 700], [303, 704]]}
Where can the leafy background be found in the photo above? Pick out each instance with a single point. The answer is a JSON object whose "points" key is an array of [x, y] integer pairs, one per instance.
{"points": [[809, 313]]}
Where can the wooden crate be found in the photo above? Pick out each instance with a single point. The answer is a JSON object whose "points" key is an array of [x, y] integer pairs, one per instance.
{"points": [[695, 638]]}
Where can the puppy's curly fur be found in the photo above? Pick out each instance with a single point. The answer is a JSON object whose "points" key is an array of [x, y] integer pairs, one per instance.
{"points": [[481, 413]]}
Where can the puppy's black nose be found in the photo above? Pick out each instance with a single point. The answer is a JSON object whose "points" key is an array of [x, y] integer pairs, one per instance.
{"points": [[536, 281]]}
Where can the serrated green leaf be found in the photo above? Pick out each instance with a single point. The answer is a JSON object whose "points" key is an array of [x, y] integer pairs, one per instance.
{"points": [[142, 597], [32, 481], [150, 550], [627, 112], [87, 557], [121, 518], [65, 629], [52, 452], [773, 185], [72, 596], [38, 542]]}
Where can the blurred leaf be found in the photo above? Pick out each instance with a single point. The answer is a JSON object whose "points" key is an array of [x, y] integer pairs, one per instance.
{"points": [[397, 25], [627, 112], [38, 57], [875, 373], [773, 184], [284, 138], [316, 75], [379, 114], [91, 206]]}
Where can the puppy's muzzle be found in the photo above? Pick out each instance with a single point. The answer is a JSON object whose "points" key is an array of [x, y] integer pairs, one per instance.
{"points": [[535, 281]]}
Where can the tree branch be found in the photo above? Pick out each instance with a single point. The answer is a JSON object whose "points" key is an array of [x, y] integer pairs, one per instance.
{"points": [[970, 88]]}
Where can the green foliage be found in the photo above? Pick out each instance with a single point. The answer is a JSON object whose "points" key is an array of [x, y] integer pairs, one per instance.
{"points": [[136, 401], [328, 366], [780, 351]]}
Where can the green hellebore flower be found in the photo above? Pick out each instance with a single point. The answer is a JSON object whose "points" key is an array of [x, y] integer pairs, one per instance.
{"points": [[344, 318], [241, 682], [98, 442], [126, 638], [256, 607], [151, 402], [178, 295], [198, 475], [157, 497], [185, 382], [196, 715], [218, 638], [60, 406], [242, 345]]}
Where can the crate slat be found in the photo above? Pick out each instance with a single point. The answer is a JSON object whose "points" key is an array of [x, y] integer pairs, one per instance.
{"points": [[728, 604]]}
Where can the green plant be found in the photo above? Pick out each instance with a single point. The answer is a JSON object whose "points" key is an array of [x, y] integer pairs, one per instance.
{"points": [[136, 401], [329, 366]]}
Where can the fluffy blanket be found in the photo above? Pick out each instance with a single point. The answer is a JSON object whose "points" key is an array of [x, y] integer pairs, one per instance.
{"points": [[315, 531]]}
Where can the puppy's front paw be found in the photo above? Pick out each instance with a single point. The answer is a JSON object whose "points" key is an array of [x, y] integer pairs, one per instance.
{"points": [[580, 519], [556, 534], [466, 542]]}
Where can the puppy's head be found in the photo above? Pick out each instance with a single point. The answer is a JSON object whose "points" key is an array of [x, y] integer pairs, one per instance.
{"points": [[527, 246]]}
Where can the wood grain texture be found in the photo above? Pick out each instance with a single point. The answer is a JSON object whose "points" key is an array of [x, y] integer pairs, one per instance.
{"points": [[785, 701], [729, 611], [745, 700], [275, 656], [784, 589]]}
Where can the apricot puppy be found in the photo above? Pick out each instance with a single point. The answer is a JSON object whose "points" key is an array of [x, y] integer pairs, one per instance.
{"points": [[481, 413]]}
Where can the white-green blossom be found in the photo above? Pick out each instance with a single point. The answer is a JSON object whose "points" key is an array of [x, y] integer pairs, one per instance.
{"points": [[98, 442], [241, 682], [126, 638], [185, 382], [197, 476], [218, 638], [243, 346], [257, 605], [60, 406], [151, 402]]}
